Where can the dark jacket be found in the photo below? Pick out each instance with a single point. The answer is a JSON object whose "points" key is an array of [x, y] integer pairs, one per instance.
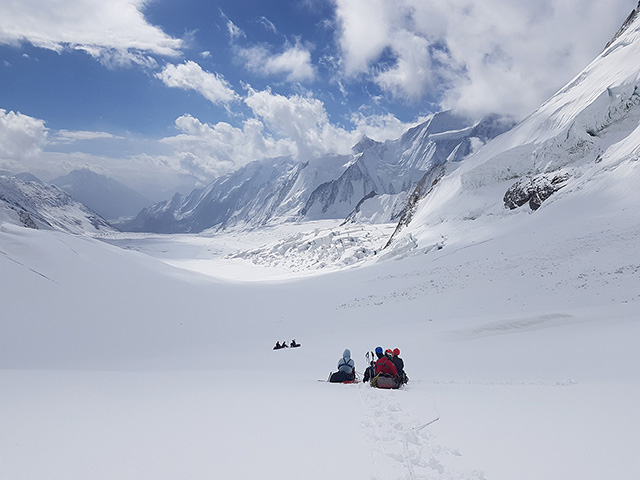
{"points": [[399, 363]]}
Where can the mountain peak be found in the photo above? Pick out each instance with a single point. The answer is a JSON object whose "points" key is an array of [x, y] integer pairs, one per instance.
{"points": [[365, 143], [632, 16]]}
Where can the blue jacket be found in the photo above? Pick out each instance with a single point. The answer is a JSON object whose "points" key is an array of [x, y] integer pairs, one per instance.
{"points": [[346, 363]]}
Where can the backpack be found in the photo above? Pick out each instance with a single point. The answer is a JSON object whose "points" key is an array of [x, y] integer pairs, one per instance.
{"points": [[384, 380], [341, 377]]}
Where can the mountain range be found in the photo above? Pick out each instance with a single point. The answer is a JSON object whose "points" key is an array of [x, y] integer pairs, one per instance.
{"points": [[285, 189]]}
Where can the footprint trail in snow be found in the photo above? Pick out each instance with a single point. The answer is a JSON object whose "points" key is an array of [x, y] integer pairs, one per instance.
{"points": [[403, 447]]}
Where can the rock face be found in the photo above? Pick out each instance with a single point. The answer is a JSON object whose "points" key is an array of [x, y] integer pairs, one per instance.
{"points": [[426, 184], [535, 190], [283, 189], [35, 204]]}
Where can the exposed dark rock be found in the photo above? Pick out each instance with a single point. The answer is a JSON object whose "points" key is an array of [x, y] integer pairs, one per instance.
{"points": [[534, 190], [425, 185]]}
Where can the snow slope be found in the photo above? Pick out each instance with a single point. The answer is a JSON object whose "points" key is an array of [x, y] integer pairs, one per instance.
{"points": [[523, 344]]}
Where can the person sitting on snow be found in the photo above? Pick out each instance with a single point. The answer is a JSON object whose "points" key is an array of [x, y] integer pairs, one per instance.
{"points": [[384, 364], [386, 372], [370, 371], [399, 363], [346, 368]]}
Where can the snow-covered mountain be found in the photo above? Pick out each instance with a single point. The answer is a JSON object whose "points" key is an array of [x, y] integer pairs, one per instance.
{"points": [[260, 192], [586, 138], [283, 189], [106, 196], [35, 204]]}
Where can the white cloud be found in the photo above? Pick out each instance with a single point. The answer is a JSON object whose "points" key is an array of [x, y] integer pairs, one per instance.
{"points": [[113, 31], [497, 55], [190, 76], [294, 62], [208, 151], [268, 24], [412, 75], [303, 120], [21, 138], [70, 136], [380, 127], [365, 30], [235, 32]]}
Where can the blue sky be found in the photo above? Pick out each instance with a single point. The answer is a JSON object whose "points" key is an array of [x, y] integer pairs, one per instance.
{"points": [[173, 93]]}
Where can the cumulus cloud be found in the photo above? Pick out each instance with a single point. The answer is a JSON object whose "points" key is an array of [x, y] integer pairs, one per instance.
{"points": [[21, 138], [294, 62], [208, 151], [191, 76], [498, 55], [302, 119], [366, 29], [114, 32]]}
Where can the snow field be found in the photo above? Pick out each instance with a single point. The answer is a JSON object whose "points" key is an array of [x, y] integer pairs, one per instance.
{"points": [[115, 365]]}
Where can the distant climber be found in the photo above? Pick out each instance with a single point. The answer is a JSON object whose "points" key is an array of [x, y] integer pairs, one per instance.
{"points": [[280, 345]]}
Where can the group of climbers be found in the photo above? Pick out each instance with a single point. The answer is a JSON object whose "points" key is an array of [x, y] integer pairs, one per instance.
{"points": [[385, 370], [279, 345]]}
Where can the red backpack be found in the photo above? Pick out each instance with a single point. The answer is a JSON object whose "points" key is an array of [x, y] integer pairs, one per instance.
{"points": [[384, 365]]}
